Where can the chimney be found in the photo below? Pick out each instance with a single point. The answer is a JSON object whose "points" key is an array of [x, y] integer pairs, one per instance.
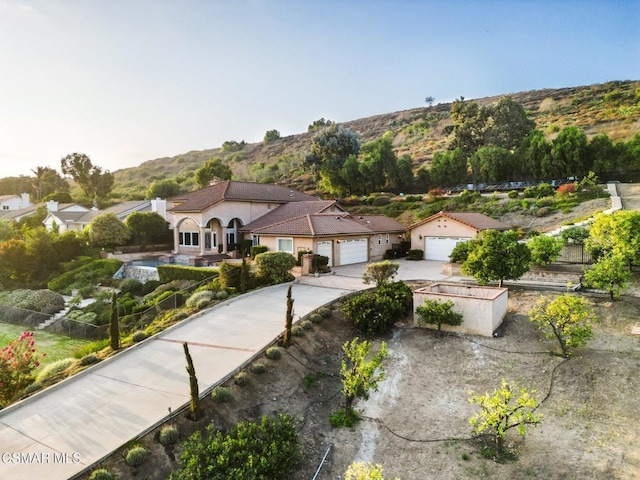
{"points": [[159, 206], [26, 201], [52, 206]]}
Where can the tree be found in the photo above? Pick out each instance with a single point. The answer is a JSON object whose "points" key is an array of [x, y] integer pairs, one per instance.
{"points": [[379, 163], [271, 136], [163, 189], [330, 149], [616, 234], [7, 230], [380, 272], [609, 273], [364, 471], [93, 181], [194, 393], [576, 235], [114, 328], [275, 266], [605, 156], [233, 146], [569, 153], [544, 249], [18, 361], [47, 181], [506, 408], [320, 124], [493, 164], [288, 322], [509, 124], [361, 373], [535, 156], [469, 126], [212, 169], [148, 228], [568, 319], [437, 312], [106, 230], [448, 168], [495, 255], [429, 101]]}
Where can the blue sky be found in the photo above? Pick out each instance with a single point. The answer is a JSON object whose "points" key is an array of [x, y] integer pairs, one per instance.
{"points": [[126, 81]]}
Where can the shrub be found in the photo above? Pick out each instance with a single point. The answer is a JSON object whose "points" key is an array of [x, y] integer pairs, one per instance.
{"points": [[136, 456], [169, 273], [342, 418], [132, 286], [324, 312], [89, 359], [44, 301], [194, 300], [380, 272], [87, 275], [566, 189], [241, 379], [306, 325], [544, 211], [168, 435], [513, 194], [54, 369], [221, 394], [266, 449], [101, 474], [258, 368], [138, 336], [415, 254], [297, 331], [230, 275], [149, 286], [273, 353], [276, 266], [376, 311], [460, 252], [315, 318], [222, 295], [380, 201], [257, 249], [202, 304], [320, 263]]}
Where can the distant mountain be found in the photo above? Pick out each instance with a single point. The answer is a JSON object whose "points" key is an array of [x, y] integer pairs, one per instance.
{"points": [[612, 108]]}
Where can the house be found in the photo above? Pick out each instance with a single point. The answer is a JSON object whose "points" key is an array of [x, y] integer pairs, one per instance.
{"points": [[438, 234], [325, 228], [14, 202], [72, 216], [216, 218]]}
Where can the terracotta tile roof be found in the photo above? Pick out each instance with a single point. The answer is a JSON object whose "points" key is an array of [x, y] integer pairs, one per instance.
{"points": [[292, 210], [479, 221], [380, 223], [240, 191], [320, 224]]}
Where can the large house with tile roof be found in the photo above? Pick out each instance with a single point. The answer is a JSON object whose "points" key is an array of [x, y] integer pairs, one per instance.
{"points": [[438, 234], [216, 218]]}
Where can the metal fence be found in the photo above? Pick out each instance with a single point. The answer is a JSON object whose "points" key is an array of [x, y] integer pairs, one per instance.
{"points": [[33, 320], [574, 253]]}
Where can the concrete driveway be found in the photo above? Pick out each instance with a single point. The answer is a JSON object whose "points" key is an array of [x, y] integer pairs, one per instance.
{"points": [[59, 432]]}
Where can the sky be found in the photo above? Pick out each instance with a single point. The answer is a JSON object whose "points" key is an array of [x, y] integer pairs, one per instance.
{"points": [[125, 81]]}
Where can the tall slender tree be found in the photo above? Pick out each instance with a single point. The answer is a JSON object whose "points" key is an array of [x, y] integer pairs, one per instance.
{"points": [[194, 405]]}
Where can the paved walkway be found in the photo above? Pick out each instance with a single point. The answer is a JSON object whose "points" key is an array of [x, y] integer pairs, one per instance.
{"points": [[59, 432]]}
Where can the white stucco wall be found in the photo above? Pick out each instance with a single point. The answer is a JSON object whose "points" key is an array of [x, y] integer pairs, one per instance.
{"points": [[440, 227], [483, 308]]}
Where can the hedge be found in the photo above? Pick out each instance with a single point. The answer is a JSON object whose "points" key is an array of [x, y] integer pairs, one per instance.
{"points": [[88, 274], [168, 273]]}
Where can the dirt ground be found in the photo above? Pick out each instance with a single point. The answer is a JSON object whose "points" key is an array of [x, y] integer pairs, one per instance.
{"points": [[416, 425]]}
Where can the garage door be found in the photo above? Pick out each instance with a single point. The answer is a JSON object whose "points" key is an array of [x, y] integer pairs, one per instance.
{"points": [[354, 251], [438, 248], [326, 250]]}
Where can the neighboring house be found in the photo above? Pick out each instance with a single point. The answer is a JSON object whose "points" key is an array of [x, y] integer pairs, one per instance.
{"points": [[438, 234], [325, 228], [74, 217], [14, 202], [216, 218], [17, 215]]}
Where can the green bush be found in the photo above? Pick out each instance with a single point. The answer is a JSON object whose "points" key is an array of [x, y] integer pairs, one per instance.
{"points": [[169, 273], [265, 450], [241, 379], [460, 252], [230, 275], [138, 336], [222, 295], [221, 394], [297, 331], [44, 301], [324, 312], [54, 369], [513, 194], [89, 359], [258, 368], [273, 353], [306, 325], [87, 275], [149, 286], [376, 311], [415, 254], [315, 318], [256, 250], [342, 418], [204, 295], [101, 474], [380, 201], [202, 304], [168, 435], [136, 456], [132, 286], [276, 266], [544, 211]]}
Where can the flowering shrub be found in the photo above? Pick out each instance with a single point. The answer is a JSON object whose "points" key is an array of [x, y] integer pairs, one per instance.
{"points": [[566, 189], [18, 360]]}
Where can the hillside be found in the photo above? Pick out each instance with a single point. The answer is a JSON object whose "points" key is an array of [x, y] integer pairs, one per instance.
{"points": [[611, 108]]}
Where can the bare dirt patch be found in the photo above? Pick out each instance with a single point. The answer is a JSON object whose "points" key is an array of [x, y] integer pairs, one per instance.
{"points": [[417, 426]]}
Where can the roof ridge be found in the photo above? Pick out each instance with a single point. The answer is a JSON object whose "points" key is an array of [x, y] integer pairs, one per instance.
{"points": [[313, 230]]}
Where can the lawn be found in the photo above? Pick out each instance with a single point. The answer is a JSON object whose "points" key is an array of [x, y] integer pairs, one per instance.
{"points": [[53, 345]]}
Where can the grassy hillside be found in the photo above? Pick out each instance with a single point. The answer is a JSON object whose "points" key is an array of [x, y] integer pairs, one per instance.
{"points": [[612, 108]]}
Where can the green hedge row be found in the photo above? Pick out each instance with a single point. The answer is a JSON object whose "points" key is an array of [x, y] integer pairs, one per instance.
{"points": [[88, 274], [169, 273]]}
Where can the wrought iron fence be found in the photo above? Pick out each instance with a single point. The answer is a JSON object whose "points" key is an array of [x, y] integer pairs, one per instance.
{"points": [[574, 253]]}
